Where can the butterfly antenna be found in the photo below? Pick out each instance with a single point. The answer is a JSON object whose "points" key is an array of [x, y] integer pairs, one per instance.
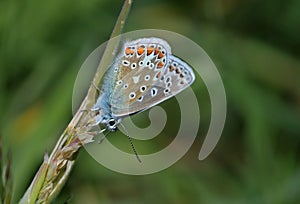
{"points": [[135, 152], [131, 143]]}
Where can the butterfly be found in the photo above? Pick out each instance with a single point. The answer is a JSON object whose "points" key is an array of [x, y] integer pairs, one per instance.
{"points": [[144, 74]]}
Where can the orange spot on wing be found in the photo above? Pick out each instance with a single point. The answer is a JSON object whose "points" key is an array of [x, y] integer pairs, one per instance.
{"points": [[158, 74], [160, 65], [160, 55], [140, 50], [128, 51], [149, 50], [177, 71], [156, 51], [171, 68]]}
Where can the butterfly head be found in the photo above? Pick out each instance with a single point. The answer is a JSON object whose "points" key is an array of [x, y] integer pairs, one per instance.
{"points": [[112, 124]]}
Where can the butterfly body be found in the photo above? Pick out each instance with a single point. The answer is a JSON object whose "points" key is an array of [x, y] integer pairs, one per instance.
{"points": [[144, 74]]}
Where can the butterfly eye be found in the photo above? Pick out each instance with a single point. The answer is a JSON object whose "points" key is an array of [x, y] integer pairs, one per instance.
{"points": [[112, 122]]}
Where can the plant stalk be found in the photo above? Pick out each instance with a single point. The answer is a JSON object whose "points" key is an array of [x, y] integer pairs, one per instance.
{"points": [[56, 168]]}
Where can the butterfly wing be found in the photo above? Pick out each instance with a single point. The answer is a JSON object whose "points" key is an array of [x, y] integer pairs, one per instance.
{"points": [[174, 78], [138, 65]]}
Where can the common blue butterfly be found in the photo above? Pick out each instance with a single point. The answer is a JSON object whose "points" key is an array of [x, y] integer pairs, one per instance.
{"points": [[144, 74]]}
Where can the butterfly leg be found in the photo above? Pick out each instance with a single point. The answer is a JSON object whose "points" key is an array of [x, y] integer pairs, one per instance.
{"points": [[88, 136], [94, 133], [94, 121]]}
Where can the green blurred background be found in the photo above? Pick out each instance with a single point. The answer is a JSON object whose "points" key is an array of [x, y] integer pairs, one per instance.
{"points": [[256, 46]]}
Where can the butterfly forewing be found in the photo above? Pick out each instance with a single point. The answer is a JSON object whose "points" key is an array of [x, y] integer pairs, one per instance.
{"points": [[175, 76], [142, 62]]}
